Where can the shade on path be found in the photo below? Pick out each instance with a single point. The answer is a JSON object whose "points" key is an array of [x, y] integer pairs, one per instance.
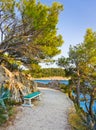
{"points": [[50, 113]]}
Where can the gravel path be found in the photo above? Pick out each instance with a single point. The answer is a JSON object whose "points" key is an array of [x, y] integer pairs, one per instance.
{"points": [[50, 113]]}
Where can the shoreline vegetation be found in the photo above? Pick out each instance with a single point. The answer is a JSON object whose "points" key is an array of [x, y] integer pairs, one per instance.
{"points": [[52, 78]]}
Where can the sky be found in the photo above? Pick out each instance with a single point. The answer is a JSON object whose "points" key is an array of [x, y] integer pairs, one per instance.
{"points": [[78, 15]]}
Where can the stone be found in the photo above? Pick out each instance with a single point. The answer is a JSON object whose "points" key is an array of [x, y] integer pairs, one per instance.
{"points": [[18, 83]]}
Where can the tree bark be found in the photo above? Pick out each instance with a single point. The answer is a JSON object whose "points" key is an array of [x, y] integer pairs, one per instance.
{"points": [[78, 92], [91, 105]]}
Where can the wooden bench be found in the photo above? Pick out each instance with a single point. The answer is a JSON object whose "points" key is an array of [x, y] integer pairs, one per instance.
{"points": [[27, 98]]}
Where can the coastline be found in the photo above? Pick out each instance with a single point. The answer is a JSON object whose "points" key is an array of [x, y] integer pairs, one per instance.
{"points": [[52, 78]]}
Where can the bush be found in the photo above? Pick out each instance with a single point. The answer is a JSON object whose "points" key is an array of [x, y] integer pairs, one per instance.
{"points": [[76, 121], [64, 88], [3, 115], [82, 120]]}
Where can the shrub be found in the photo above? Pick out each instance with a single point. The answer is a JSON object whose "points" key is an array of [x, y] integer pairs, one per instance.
{"points": [[76, 121], [64, 88]]}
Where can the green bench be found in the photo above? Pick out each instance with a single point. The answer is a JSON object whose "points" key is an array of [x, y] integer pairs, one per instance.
{"points": [[4, 94], [27, 98]]}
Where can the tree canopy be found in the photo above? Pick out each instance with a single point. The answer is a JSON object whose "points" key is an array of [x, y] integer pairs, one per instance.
{"points": [[28, 30], [82, 64]]}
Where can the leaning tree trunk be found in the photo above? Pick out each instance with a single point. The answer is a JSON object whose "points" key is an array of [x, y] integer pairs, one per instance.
{"points": [[78, 88], [91, 105], [78, 92]]}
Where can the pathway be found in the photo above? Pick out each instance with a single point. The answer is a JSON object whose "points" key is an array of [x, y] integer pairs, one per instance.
{"points": [[50, 113]]}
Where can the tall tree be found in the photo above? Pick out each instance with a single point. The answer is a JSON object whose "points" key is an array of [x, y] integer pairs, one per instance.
{"points": [[28, 29], [82, 61]]}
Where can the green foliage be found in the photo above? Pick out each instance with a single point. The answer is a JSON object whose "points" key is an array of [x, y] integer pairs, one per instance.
{"points": [[30, 28], [5, 114], [10, 111], [3, 118], [53, 72], [64, 88], [38, 72], [35, 70], [65, 63], [82, 63], [75, 119], [89, 38], [82, 120]]}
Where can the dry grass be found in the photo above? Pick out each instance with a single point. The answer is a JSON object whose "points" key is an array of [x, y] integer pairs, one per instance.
{"points": [[76, 121]]}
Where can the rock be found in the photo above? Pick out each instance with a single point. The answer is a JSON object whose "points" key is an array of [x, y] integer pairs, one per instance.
{"points": [[18, 83], [54, 84], [3, 77]]}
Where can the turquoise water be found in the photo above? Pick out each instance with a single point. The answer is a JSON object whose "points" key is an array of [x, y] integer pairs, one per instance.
{"points": [[82, 103], [66, 82]]}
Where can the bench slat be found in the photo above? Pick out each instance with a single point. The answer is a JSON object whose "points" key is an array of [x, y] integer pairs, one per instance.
{"points": [[32, 95], [29, 97]]}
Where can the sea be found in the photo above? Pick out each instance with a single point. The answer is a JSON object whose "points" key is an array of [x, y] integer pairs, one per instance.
{"points": [[66, 82], [82, 103]]}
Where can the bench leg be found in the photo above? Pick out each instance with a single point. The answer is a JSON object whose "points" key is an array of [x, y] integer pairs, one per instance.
{"points": [[27, 102], [24, 101], [30, 102], [38, 97]]}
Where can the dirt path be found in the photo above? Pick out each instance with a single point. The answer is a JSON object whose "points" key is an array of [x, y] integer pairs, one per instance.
{"points": [[50, 113]]}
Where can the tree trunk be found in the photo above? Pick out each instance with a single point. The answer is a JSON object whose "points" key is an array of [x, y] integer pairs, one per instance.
{"points": [[78, 95], [91, 105], [78, 92]]}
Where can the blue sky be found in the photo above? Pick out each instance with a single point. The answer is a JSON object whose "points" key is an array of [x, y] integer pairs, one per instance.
{"points": [[78, 15]]}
